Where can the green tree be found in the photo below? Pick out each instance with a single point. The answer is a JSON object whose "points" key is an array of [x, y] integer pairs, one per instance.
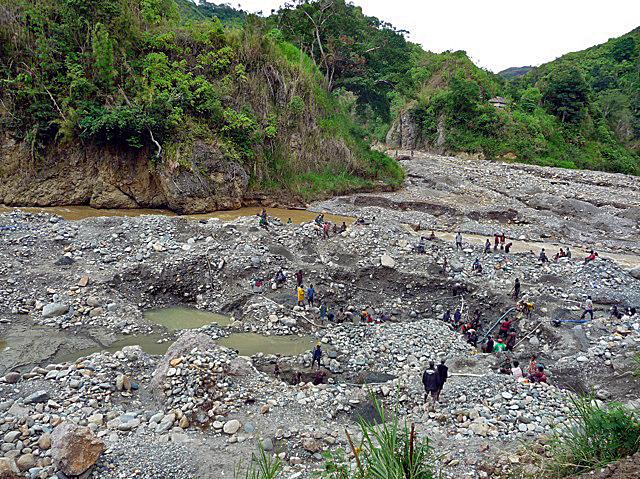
{"points": [[624, 49], [530, 99], [102, 49], [566, 93]]}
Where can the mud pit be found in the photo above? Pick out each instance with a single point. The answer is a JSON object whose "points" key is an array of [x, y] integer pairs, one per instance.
{"points": [[102, 277]]}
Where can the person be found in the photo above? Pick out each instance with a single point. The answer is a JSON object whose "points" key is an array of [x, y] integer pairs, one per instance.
{"points": [[335, 228], [289, 222], [366, 317], [457, 316], [496, 241], [503, 239], [533, 365], [488, 347], [568, 253], [276, 370], [296, 378], [432, 236], [499, 346], [487, 246], [311, 293], [511, 340], [458, 241], [325, 230], [318, 377], [515, 292], [588, 308], [539, 376], [445, 266], [506, 366], [264, 223], [507, 247], [475, 322], [592, 257], [319, 219], [477, 267], [446, 317], [317, 355], [504, 328], [516, 371], [543, 256], [343, 227], [299, 276], [559, 254], [472, 337], [384, 317], [280, 277], [421, 248], [443, 373], [431, 382], [300, 296], [323, 311], [615, 313]]}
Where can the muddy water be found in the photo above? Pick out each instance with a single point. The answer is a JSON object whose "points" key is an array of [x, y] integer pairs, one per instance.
{"points": [[151, 344], [177, 318], [3, 344], [73, 213], [248, 344]]}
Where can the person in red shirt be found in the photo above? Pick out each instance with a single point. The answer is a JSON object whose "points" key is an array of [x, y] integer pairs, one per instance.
{"points": [[539, 376]]}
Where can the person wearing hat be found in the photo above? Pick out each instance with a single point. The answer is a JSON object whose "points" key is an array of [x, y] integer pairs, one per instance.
{"points": [[499, 346]]}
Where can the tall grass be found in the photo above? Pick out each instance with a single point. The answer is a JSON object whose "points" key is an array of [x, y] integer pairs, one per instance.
{"points": [[594, 437], [263, 466], [389, 450]]}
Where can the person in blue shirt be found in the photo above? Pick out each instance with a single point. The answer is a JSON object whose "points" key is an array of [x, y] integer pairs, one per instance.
{"points": [[311, 295]]}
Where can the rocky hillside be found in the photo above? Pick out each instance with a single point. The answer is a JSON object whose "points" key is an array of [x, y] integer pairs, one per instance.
{"points": [[111, 108]]}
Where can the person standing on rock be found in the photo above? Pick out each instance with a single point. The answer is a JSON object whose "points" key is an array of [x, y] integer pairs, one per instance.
{"points": [[487, 247], [511, 339], [458, 241], [515, 292], [446, 317], [300, 296], [299, 276], [317, 356], [588, 308], [457, 316], [507, 247], [431, 383], [311, 293], [543, 256], [323, 311], [488, 347], [499, 346], [496, 241], [443, 374], [325, 230], [503, 240]]}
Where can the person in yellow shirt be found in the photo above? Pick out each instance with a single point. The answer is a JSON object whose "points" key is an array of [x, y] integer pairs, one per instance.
{"points": [[300, 296]]}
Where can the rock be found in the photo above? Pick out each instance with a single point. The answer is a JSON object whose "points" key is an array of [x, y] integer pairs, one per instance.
{"points": [[53, 310], [267, 445], [64, 261], [93, 302], [123, 383], [37, 397], [44, 441], [12, 377], [84, 281], [635, 272], [231, 427], [311, 445], [26, 462], [12, 436], [387, 261], [75, 449], [9, 469]]}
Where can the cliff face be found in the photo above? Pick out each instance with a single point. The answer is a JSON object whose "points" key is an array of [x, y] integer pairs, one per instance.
{"points": [[202, 180]]}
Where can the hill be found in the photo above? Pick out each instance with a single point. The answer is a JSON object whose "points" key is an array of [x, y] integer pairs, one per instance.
{"points": [[147, 103], [580, 111], [515, 72]]}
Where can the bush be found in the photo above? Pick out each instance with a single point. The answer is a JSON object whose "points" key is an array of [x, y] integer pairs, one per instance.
{"points": [[594, 437]]}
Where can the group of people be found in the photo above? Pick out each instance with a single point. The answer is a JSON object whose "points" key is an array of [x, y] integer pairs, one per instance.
{"points": [[535, 373], [325, 226], [433, 380]]}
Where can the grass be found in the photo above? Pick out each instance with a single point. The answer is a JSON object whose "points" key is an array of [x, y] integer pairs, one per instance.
{"points": [[389, 450], [594, 437], [263, 466]]}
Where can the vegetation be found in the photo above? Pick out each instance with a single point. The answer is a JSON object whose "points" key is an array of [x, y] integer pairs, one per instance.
{"points": [[388, 450], [580, 111], [263, 466], [594, 437], [156, 75]]}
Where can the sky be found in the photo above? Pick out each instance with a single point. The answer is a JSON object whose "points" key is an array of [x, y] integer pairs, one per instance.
{"points": [[498, 34]]}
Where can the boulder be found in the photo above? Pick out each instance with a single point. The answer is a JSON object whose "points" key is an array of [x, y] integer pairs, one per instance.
{"points": [[9, 469], [52, 310], [37, 397], [12, 377], [635, 272], [231, 427], [74, 449]]}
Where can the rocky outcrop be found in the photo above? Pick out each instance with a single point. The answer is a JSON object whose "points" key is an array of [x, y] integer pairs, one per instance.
{"points": [[404, 132], [197, 178], [75, 449]]}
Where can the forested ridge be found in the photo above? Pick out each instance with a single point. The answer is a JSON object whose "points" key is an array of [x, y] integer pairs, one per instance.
{"points": [[270, 91]]}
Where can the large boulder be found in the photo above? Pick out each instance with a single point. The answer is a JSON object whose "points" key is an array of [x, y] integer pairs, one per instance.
{"points": [[185, 343], [74, 449], [635, 272], [9, 469]]}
